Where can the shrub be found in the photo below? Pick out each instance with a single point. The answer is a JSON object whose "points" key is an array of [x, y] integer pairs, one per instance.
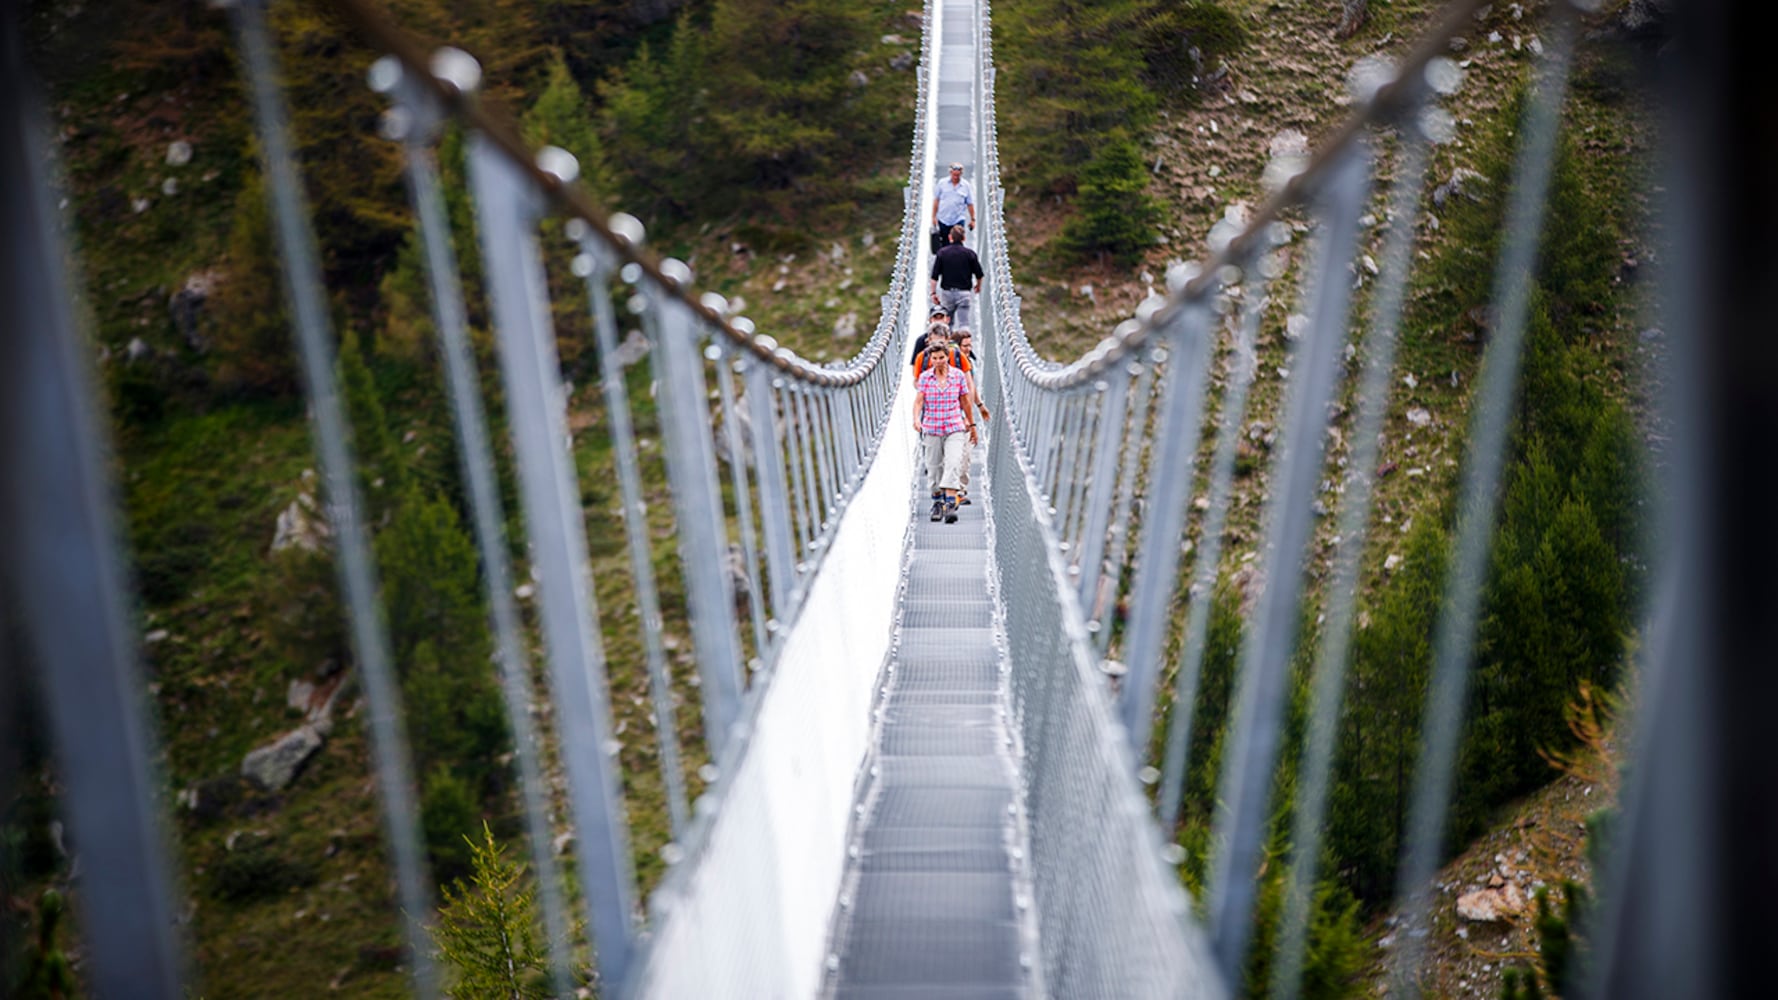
{"points": [[256, 871]]}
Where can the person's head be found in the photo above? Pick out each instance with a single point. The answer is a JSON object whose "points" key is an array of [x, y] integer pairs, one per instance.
{"points": [[939, 316], [938, 333], [962, 338], [938, 357], [956, 172], [957, 234]]}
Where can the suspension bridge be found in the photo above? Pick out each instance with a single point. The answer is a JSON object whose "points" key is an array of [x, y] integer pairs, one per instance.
{"points": [[930, 776]]}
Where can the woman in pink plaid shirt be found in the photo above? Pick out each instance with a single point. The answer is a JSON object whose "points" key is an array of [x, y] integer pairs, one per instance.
{"points": [[942, 417]]}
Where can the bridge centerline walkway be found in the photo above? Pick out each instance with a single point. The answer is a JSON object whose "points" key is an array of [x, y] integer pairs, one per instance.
{"points": [[934, 901]]}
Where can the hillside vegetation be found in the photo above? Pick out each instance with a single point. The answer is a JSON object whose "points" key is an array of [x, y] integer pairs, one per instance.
{"points": [[1565, 569], [740, 163], [765, 143]]}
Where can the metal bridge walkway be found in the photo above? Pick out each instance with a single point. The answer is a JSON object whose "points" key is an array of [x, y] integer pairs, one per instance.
{"points": [[930, 903]]}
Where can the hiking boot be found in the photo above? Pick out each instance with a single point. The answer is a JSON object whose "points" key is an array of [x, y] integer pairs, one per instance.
{"points": [[951, 512], [963, 501], [938, 510]]}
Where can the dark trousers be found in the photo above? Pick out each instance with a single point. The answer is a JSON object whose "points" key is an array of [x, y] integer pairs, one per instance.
{"points": [[942, 235]]}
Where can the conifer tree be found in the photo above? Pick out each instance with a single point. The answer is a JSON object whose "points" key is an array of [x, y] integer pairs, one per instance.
{"points": [[439, 639], [487, 931], [562, 117], [406, 331], [784, 68], [1081, 83], [1553, 617], [46, 973], [384, 467], [1380, 729], [1115, 215], [654, 122], [252, 340]]}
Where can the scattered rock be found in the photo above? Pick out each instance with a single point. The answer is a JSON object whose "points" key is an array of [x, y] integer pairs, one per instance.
{"points": [[846, 327], [210, 800], [137, 351], [902, 62], [633, 349], [187, 306], [178, 153], [299, 695], [301, 525], [276, 764], [739, 585], [1461, 178], [1497, 903], [893, 40], [743, 418], [1392, 562], [1289, 142], [1419, 417], [859, 78], [1647, 19], [563, 843]]}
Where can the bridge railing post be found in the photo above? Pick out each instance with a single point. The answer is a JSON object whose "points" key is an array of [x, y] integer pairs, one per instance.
{"points": [[1478, 497], [301, 273], [1255, 728], [1332, 654], [769, 446], [1172, 466], [509, 208], [1207, 554], [738, 462], [63, 580], [416, 119], [697, 503]]}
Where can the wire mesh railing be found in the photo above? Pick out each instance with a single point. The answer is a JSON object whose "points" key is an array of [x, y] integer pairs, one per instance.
{"points": [[1113, 446], [760, 453], [1096, 467]]}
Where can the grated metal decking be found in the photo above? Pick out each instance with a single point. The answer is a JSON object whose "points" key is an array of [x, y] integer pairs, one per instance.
{"points": [[930, 903]]}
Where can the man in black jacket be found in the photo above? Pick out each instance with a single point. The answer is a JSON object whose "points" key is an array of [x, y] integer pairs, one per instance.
{"points": [[956, 275]]}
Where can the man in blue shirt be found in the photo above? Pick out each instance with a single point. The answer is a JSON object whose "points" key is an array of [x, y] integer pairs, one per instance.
{"points": [[954, 201]]}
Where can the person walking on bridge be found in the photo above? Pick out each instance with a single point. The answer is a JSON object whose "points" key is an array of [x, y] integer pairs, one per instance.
{"points": [[945, 422], [956, 275], [955, 200], [963, 343]]}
